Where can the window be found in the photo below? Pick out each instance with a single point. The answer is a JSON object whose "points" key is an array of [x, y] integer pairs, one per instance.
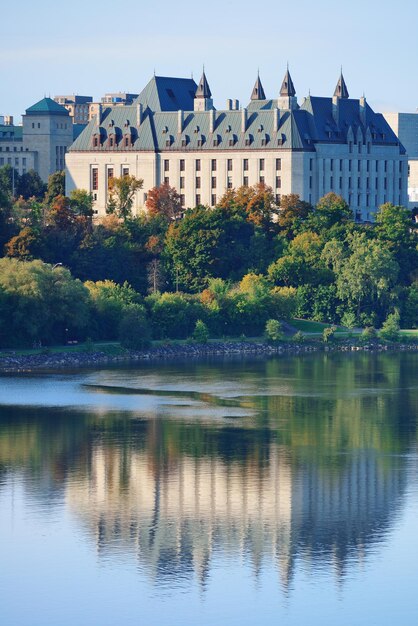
{"points": [[197, 182], [341, 182], [229, 165], [181, 182], [245, 181], [278, 182], [197, 199], [261, 163], [386, 166], [349, 166], [39, 125], [182, 199], [279, 164], [126, 142], [213, 199], [33, 125], [95, 179], [213, 184], [109, 173], [95, 142], [111, 141], [213, 165], [166, 180], [278, 198], [341, 165], [197, 165], [310, 182], [229, 182], [166, 165], [245, 165], [125, 171], [358, 182], [261, 180], [182, 165], [359, 166]]}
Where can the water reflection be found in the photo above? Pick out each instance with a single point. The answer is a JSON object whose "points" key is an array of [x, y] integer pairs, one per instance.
{"points": [[314, 474]]}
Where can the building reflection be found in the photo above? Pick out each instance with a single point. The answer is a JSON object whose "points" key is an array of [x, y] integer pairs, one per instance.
{"points": [[175, 518]]}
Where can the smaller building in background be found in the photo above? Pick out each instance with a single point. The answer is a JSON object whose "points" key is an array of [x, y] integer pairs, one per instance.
{"points": [[77, 106], [405, 126], [119, 98], [42, 140]]}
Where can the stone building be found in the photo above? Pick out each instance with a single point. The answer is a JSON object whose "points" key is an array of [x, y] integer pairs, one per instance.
{"points": [[405, 126], [77, 106], [42, 140], [172, 133]]}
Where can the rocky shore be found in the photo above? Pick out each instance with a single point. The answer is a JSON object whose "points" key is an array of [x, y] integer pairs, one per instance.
{"points": [[12, 363]]}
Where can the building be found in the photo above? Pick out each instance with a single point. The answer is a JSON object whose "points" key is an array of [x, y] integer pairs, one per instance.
{"points": [[172, 133], [119, 98], [42, 140], [405, 126], [77, 106]]}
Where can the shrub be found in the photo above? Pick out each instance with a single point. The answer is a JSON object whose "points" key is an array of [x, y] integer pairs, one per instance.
{"points": [[134, 330], [390, 327], [328, 334], [201, 332], [348, 320], [299, 337], [274, 331], [368, 334]]}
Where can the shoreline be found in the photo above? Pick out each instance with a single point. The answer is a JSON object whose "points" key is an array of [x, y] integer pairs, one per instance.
{"points": [[12, 364]]}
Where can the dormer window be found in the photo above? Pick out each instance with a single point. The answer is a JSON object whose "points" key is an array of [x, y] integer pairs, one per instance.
{"points": [[196, 130], [184, 141], [95, 142], [228, 129], [216, 141], [127, 142], [247, 141], [126, 123], [232, 140], [260, 129], [111, 123], [165, 130]]}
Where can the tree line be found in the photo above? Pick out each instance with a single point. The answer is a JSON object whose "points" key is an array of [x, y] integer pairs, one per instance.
{"points": [[233, 266]]}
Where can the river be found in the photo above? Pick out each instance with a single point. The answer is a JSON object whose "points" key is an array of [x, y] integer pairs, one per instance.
{"points": [[238, 491]]}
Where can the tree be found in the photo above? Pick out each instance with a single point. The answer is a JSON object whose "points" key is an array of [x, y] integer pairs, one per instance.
{"points": [[365, 273], [134, 329], [293, 211], [110, 303], [332, 210], [390, 327], [31, 185], [25, 245], [56, 186], [201, 332], [44, 303], [121, 195], [164, 200], [397, 230], [274, 331], [81, 203]]}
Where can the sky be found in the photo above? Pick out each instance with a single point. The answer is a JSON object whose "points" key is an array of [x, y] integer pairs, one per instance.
{"points": [[89, 47]]}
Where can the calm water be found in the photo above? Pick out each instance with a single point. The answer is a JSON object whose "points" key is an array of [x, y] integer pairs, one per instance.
{"points": [[281, 491]]}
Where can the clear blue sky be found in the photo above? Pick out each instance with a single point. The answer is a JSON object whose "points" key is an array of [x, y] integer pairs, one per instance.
{"points": [[90, 47]]}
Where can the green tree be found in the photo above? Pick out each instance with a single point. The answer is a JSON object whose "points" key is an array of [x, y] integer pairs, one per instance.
{"points": [[56, 186], [201, 332], [44, 303], [274, 331], [81, 203], [134, 329], [110, 303], [31, 185], [390, 327], [121, 195]]}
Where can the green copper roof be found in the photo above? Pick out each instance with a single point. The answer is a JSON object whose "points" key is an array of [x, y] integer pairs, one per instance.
{"points": [[46, 106]]}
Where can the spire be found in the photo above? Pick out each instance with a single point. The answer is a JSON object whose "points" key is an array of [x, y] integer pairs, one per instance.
{"points": [[341, 90], [203, 90], [258, 91], [287, 88]]}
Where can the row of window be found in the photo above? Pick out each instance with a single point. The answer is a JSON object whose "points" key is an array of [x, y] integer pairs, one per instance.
{"points": [[110, 174], [229, 165], [371, 165], [9, 161], [214, 182], [7, 149], [368, 182]]}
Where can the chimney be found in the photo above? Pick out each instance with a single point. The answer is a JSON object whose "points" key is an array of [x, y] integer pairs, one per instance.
{"points": [[229, 104], [336, 109], [8, 120], [276, 119], [180, 121], [139, 112], [211, 120], [243, 120], [362, 103], [235, 105]]}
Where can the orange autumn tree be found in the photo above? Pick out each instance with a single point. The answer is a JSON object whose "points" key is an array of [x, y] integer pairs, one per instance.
{"points": [[164, 200]]}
